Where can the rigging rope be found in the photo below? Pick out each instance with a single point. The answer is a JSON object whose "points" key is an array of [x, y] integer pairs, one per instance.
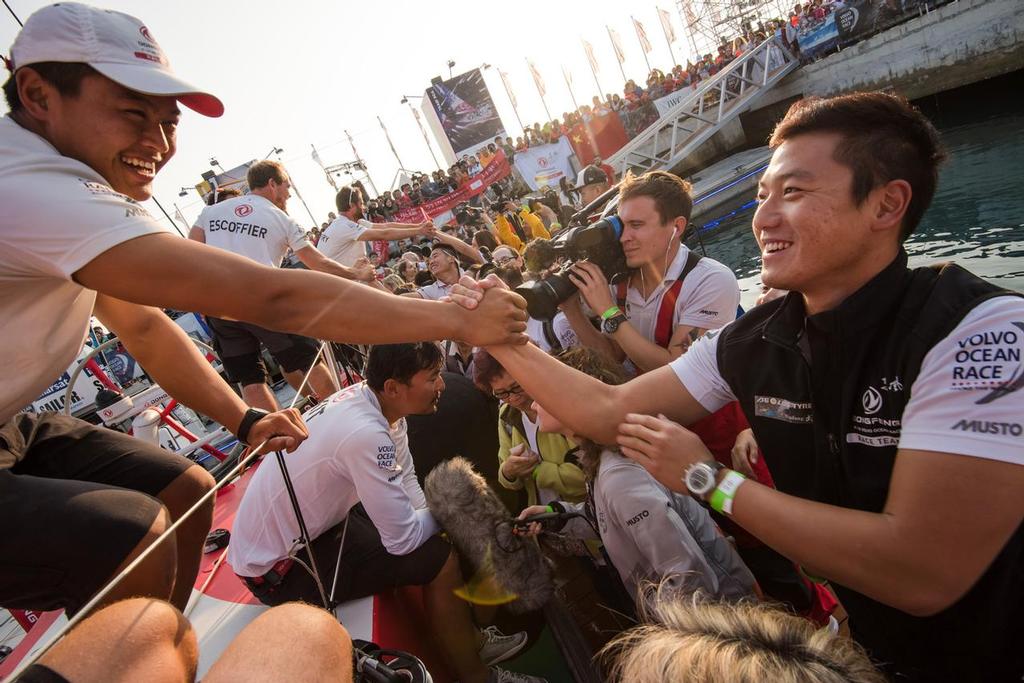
{"points": [[238, 469]]}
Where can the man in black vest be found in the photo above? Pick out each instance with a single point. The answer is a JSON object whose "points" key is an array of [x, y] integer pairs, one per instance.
{"points": [[884, 398]]}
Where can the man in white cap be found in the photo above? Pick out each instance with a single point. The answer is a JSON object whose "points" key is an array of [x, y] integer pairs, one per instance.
{"points": [[94, 108]]}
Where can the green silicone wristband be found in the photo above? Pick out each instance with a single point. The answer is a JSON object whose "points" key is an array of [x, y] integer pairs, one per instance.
{"points": [[721, 497], [611, 312], [549, 508]]}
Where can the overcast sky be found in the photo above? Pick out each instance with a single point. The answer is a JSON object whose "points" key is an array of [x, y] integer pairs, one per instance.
{"points": [[296, 74]]}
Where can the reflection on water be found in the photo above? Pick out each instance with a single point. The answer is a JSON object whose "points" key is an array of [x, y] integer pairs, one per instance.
{"points": [[976, 218]]}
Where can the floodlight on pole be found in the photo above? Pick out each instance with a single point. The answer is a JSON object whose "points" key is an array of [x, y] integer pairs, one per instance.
{"points": [[423, 131], [451, 65]]}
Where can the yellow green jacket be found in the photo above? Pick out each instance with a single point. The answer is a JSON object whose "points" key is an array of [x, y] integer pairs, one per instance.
{"points": [[553, 472]]}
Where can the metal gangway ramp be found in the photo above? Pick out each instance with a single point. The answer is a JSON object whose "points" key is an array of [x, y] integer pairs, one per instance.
{"points": [[705, 110]]}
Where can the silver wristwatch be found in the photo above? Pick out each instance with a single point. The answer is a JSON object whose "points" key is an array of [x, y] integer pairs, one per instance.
{"points": [[702, 477]]}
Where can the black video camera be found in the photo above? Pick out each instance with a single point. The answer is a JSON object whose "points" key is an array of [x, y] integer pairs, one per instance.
{"points": [[597, 243], [467, 215]]}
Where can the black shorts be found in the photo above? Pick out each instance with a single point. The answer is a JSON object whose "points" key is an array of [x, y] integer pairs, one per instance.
{"points": [[238, 345], [75, 500], [367, 567], [38, 673]]}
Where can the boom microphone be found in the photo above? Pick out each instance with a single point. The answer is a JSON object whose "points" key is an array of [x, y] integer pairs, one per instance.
{"points": [[478, 523]]}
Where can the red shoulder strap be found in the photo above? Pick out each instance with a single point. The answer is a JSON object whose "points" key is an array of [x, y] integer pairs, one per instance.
{"points": [[621, 289], [667, 308], [666, 312]]}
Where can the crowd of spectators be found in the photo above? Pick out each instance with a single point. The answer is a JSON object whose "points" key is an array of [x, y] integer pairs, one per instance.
{"points": [[709, 463]]}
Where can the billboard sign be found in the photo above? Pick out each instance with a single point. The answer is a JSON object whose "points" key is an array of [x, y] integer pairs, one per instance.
{"points": [[235, 178], [466, 111]]}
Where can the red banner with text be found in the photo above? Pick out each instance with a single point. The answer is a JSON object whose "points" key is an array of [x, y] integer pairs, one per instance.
{"points": [[492, 172]]}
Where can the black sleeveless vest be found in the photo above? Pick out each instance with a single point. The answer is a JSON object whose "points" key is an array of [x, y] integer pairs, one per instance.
{"points": [[825, 398]]}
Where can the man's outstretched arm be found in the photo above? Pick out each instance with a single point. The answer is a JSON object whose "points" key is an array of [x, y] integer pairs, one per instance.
{"points": [[170, 357], [170, 272], [588, 406], [397, 231]]}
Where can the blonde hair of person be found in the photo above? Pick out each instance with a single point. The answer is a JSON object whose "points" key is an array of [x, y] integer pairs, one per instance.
{"points": [[685, 639]]}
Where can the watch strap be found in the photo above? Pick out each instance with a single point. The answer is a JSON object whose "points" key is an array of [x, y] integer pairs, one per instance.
{"points": [[251, 417], [722, 497]]}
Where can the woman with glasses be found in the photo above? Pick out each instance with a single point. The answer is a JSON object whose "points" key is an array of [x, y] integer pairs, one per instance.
{"points": [[540, 463]]}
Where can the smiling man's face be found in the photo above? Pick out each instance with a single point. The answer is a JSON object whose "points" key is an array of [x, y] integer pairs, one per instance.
{"points": [[125, 136], [811, 233]]}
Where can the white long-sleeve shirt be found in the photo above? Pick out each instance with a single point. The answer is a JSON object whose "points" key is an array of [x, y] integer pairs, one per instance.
{"points": [[352, 455]]}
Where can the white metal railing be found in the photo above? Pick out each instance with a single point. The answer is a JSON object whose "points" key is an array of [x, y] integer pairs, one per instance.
{"points": [[706, 109]]}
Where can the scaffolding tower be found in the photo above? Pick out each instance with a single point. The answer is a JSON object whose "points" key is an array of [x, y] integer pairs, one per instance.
{"points": [[709, 23]]}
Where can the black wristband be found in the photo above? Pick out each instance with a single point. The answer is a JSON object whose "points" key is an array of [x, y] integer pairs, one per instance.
{"points": [[251, 417]]}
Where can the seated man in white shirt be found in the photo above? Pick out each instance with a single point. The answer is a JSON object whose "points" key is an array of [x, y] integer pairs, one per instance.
{"points": [[344, 238], [357, 489]]}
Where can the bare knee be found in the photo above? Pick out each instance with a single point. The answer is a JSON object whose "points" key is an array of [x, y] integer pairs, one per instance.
{"points": [[149, 621], [197, 481], [129, 638], [191, 485], [315, 623]]}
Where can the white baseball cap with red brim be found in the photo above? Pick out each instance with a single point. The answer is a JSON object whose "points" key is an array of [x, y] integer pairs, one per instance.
{"points": [[117, 45]]}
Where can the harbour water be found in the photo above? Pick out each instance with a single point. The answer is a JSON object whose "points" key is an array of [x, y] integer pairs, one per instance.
{"points": [[977, 216]]}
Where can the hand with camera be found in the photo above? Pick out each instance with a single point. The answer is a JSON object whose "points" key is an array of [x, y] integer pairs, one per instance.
{"points": [[593, 286]]}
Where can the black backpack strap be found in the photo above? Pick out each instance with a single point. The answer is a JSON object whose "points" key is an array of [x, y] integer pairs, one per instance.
{"points": [[550, 336]]}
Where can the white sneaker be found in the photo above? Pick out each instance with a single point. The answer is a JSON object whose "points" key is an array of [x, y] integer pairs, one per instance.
{"points": [[498, 647], [502, 676]]}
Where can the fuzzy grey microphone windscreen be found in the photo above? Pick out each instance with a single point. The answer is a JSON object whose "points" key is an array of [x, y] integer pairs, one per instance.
{"points": [[479, 525]]}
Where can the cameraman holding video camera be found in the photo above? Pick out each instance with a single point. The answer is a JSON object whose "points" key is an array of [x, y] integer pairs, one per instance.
{"points": [[671, 295]]}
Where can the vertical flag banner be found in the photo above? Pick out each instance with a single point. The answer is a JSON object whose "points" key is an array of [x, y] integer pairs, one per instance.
{"points": [[591, 58], [670, 34], [617, 45], [537, 79], [666, 25], [641, 35], [691, 20], [508, 88], [691, 16], [539, 82], [568, 84]]}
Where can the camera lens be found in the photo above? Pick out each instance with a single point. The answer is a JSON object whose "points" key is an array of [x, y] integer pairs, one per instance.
{"points": [[543, 296]]}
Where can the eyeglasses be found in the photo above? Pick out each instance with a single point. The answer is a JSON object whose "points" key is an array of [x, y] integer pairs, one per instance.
{"points": [[504, 259], [513, 390]]}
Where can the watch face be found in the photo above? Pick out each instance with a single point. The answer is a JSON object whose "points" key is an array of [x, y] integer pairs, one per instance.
{"points": [[700, 479], [612, 324]]}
